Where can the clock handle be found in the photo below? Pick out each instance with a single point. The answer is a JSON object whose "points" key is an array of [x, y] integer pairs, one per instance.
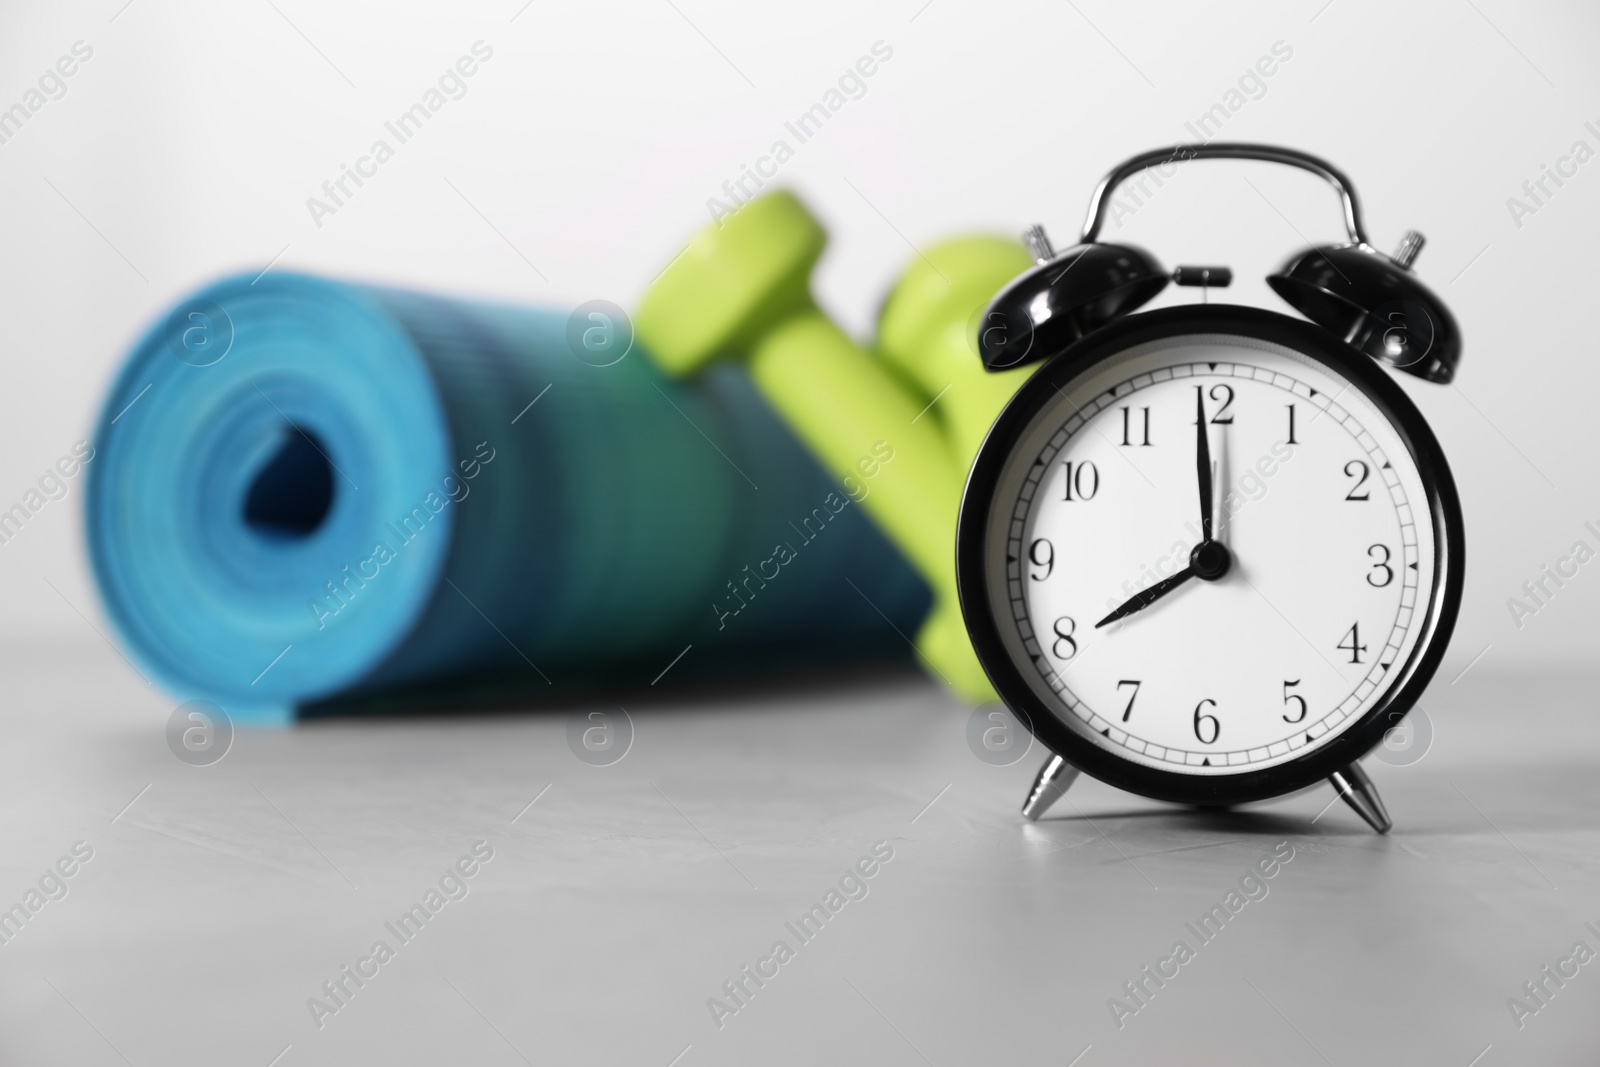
{"points": [[1357, 790], [1055, 778], [1264, 153]]}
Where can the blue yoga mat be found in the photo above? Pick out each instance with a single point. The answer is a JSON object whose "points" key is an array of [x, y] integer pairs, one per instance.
{"points": [[308, 491]]}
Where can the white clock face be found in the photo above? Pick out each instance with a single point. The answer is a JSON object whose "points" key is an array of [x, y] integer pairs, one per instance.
{"points": [[1328, 537]]}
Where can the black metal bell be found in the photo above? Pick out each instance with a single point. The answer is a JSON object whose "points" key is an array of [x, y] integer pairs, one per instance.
{"points": [[1064, 298], [1375, 304]]}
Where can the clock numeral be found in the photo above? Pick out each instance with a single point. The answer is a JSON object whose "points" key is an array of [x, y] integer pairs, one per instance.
{"points": [[1064, 637], [1380, 565], [1199, 718], [1131, 696], [1358, 470], [1292, 440], [1288, 696], [1354, 647], [1084, 477], [1223, 393], [1127, 416], [1042, 554]]}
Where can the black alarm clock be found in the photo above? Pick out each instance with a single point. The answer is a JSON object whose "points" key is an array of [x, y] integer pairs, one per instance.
{"points": [[1210, 554]]}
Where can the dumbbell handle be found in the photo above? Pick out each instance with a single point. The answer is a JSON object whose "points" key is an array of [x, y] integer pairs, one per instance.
{"points": [[842, 403]]}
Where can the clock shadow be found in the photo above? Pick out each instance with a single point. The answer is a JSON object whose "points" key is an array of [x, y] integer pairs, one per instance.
{"points": [[1221, 819]]}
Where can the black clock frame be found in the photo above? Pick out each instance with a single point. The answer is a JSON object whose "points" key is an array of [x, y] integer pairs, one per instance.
{"points": [[1409, 679]]}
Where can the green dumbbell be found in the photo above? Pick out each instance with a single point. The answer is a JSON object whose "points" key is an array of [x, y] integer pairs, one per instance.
{"points": [[928, 330], [742, 290]]}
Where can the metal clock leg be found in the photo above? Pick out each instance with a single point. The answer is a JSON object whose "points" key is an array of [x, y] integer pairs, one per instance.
{"points": [[1055, 778], [1358, 791]]}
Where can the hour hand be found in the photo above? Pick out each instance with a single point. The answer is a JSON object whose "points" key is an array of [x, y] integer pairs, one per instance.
{"points": [[1145, 597]]}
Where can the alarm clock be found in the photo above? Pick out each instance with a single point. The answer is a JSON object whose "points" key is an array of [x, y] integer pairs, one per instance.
{"points": [[1210, 554]]}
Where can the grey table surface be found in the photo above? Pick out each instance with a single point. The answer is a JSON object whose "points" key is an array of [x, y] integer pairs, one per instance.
{"points": [[218, 902]]}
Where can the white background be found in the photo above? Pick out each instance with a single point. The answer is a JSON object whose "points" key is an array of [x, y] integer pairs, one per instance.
{"points": [[587, 147]]}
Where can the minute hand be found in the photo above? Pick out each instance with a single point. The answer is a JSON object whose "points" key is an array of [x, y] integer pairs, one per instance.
{"points": [[1202, 462], [1145, 597]]}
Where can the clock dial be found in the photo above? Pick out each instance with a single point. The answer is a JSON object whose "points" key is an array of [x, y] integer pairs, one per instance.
{"points": [[1257, 648]]}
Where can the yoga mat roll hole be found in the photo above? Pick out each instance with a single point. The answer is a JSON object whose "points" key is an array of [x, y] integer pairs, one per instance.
{"points": [[293, 491]]}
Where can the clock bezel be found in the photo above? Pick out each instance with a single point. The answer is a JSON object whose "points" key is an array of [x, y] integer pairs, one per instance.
{"points": [[1314, 343]]}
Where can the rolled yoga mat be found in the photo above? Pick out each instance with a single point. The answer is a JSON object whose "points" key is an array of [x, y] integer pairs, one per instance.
{"points": [[307, 491]]}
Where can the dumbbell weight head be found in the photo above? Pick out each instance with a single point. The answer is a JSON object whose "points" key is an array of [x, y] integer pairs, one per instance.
{"points": [[928, 330], [938, 295], [732, 282]]}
